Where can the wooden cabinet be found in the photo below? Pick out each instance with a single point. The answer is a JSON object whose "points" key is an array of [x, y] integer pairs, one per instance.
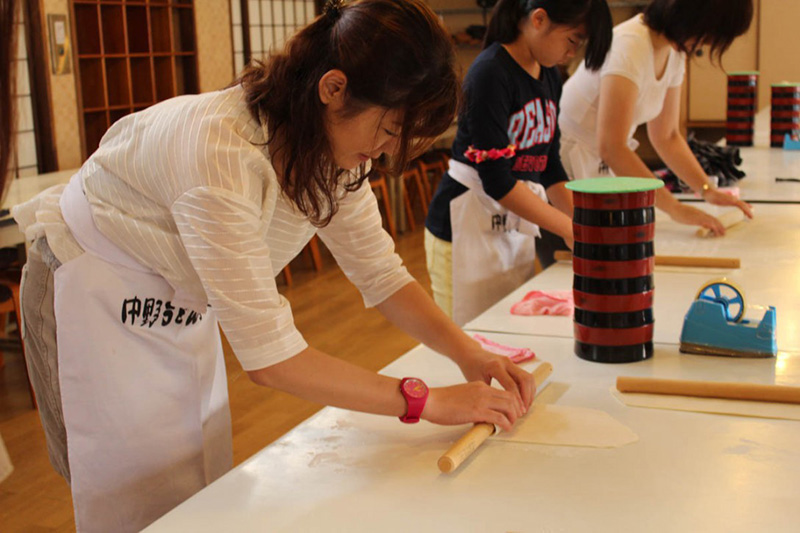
{"points": [[130, 54]]}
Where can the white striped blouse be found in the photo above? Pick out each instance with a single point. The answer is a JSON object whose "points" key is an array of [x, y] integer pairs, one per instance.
{"points": [[187, 188]]}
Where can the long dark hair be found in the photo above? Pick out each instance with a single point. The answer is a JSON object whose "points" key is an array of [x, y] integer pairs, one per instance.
{"points": [[395, 54], [690, 24], [507, 14], [8, 48]]}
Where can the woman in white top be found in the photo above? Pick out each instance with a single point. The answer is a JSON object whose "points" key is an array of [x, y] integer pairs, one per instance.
{"points": [[181, 220], [640, 83]]}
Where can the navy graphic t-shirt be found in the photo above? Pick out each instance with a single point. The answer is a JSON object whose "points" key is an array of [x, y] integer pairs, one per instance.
{"points": [[504, 105]]}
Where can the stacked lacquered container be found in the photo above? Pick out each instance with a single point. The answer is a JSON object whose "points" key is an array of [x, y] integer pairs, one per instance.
{"points": [[785, 112], [613, 260], [742, 107]]}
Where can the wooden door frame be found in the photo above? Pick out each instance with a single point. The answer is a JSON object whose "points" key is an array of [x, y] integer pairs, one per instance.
{"points": [[46, 156]]}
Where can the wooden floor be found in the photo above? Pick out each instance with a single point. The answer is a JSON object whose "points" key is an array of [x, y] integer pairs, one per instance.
{"points": [[329, 312]]}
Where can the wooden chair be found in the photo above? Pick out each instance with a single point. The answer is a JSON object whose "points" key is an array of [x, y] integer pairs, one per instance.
{"points": [[432, 166], [413, 174], [379, 183], [8, 307], [312, 249], [287, 275]]}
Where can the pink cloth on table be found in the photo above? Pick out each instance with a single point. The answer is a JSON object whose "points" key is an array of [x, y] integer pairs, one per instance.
{"points": [[517, 355], [559, 303]]}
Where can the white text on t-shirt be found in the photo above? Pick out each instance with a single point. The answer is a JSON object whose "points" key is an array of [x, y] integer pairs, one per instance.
{"points": [[530, 125]]}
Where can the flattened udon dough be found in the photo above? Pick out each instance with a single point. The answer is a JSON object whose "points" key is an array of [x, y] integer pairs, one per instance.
{"points": [[718, 406], [561, 425]]}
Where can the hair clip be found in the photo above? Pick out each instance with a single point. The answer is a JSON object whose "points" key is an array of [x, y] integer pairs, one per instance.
{"points": [[333, 9]]}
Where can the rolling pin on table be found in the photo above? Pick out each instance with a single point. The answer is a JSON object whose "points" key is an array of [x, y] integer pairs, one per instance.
{"points": [[472, 439], [710, 389], [676, 260]]}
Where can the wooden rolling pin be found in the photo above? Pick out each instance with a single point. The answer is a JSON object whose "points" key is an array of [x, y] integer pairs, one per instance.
{"points": [[689, 261], [473, 438], [677, 260], [711, 389], [731, 218]]}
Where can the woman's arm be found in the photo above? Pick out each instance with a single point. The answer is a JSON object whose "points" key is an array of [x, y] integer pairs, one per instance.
{"points": [[614, 121], [413, 311], [561, 198], [671, 146], [321, 378]]}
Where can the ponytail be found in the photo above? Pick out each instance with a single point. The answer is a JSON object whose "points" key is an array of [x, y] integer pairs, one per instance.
{"points": [[504, 24]]}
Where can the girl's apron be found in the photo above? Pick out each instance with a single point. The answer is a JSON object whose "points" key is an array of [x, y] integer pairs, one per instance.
{"points": [[142, 381], [580, 159], [494, 250]]}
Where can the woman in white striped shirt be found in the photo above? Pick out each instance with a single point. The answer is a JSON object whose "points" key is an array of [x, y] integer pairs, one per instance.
{"points": [[181, 220]]}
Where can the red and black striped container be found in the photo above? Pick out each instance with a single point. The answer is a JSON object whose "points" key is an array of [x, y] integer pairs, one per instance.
{"points": [[613, 259], [742, 107], [785, 112]]}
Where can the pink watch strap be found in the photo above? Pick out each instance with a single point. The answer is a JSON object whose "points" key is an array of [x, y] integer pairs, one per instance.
{"points": [[415, 392]]}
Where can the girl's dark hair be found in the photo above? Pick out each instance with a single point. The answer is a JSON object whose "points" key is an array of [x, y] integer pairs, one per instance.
{"points": [[395, 54], [8, 34], [690, 24], [507, 14]]}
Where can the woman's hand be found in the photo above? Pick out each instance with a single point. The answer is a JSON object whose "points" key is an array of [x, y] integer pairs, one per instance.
{"points": [[480, 365], [686, 214], [472, 402], [570, 241], [716, 197]]}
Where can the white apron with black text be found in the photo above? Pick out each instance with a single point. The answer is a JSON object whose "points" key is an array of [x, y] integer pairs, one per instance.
{"points": [[143, 386], [494, 250], [581, 161]]}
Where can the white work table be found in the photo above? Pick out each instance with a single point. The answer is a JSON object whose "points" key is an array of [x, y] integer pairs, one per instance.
{"points": [[762, 164], [768, 247], [771, 236], [675, 289], [344, 471]]}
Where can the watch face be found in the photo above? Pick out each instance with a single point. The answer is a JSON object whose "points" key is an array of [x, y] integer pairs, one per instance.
{"points": [[415, 388]]}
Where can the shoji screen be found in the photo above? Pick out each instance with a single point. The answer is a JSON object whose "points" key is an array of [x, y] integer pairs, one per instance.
{"points": [[260, 26], [23, 163]]}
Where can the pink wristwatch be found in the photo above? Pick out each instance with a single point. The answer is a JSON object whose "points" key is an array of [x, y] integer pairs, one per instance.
{"points": [[415, 392]]}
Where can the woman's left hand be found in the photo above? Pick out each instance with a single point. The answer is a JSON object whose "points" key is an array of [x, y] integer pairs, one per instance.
{"points": [[717, 197], [480, 365]]}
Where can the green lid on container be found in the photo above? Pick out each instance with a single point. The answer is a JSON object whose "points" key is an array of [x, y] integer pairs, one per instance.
{"points": [[744, 73], [614, 185], [786, 84]]}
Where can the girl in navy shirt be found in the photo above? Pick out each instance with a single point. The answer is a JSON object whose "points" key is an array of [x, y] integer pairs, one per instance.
{"points": [[505, 166]]}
